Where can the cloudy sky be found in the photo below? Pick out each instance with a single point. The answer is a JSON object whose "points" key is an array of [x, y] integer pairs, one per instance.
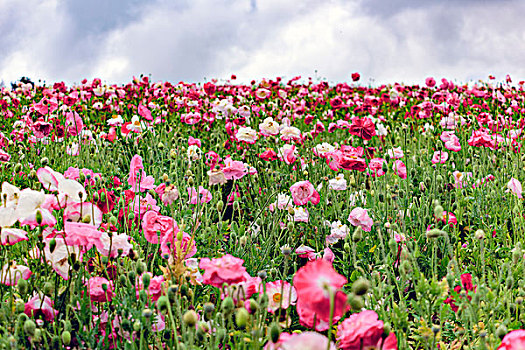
{"points": [[196, 40]]}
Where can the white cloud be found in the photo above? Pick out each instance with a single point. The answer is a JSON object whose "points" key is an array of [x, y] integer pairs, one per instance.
{"points": [[215, 38]]}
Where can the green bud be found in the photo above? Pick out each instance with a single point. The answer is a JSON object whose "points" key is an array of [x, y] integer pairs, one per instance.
{"points": [[190, 318], [275, 332], [163, 304], [227, 305], [37, 337], [208, 308], [501, 332], [22, 286], [438, 211], [132, 276], [241, 317], [147, 313], [358, 234], [137, 326], [360, 286], [18, 167], [435, 233], [140, 268], [96, 197], [220, 206], [49, 288], [66, 337], [38, 217], [356, 302], [29, 327], [67, 326], [113, 220], [254, 306]]}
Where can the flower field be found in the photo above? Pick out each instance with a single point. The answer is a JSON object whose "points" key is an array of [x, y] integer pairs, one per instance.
{"points": [[274, 215]]}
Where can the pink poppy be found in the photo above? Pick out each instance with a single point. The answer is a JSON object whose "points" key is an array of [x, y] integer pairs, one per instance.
{"points": [[514, 340], [171, 246], [359, 217], [40, 305], [280, 294], [96, 291], [155, 226], [154, 291], [233, 169], [227, 269], [74, 123], [514, 186], [138, 180], [78, 233], [430, 82], [360, 331], [10, 236], [205, 195], [363, 127], [12, 272], [144, 112], [314, 282], [400, 169], [307, 341], [440, 157], [376, 166], [303, 192]]}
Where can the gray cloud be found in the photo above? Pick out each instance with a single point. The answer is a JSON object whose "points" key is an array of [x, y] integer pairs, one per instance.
{"points": [[386, 41]]}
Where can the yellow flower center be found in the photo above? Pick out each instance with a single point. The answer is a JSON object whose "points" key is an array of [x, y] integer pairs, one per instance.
{"points": [[277, 297]]}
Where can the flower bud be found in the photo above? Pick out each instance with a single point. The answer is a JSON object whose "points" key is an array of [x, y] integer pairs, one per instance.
{"points": [[66, 337], [137, 326], [29, 327], [356, 302], [241, 317], [357, 235], [163, 304], [227, 305], [208, 308], [220, 206], [147, 313], [360, 286], [22, 286], [275, 332], [190, 318], [49, 288], [38, 217], [140, 268], [479, 234], [146, 280], [435, 233], [438, 211], [501, 331]]}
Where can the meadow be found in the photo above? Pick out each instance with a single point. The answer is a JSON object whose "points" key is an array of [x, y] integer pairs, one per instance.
{"points": [[281, 214]]}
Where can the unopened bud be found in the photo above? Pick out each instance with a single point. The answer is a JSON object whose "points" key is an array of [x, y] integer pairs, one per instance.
{"points": [[275, 332], [479, 234], [227, 305], [358, 234], [241, 318], [38, 217], [360, 286], [190, 318], [29, 327], [66, 337]]}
